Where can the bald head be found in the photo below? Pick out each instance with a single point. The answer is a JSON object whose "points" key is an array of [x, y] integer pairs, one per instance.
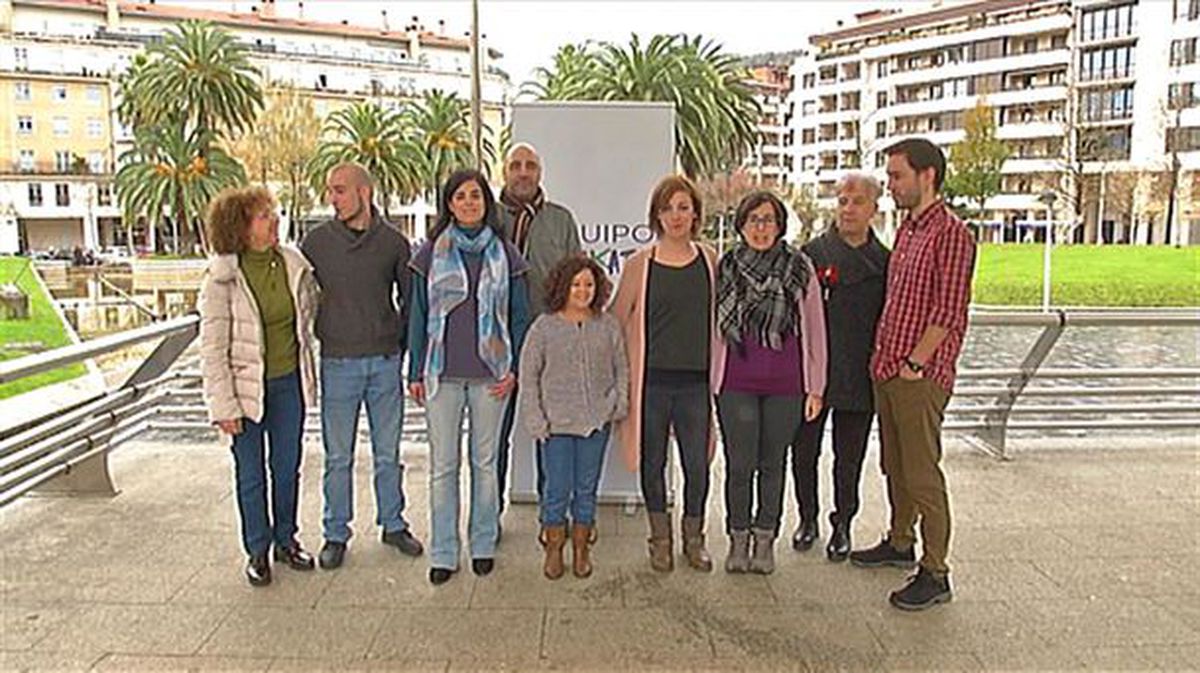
{"points": [[522, 172], [348, 188]]}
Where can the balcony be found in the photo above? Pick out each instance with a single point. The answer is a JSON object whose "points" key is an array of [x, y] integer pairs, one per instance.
{"points": [[79, 168]]}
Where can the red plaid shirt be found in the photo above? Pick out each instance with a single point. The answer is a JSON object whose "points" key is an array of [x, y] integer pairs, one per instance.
{"points": [[928, 283]]}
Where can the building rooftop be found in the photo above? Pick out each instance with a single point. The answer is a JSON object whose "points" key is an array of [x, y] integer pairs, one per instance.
{"points": [[260, 20]]}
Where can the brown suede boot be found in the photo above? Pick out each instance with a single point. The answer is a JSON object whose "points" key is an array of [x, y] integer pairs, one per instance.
{"points": [[693, 544], [581, 540], [553, 538], [661, 555]]}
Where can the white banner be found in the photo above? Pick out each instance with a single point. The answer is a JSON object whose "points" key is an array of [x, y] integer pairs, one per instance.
{"points": [[600, 160]]}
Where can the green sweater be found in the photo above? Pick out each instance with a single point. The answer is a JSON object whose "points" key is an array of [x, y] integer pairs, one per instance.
{"points": [[268, 281]]}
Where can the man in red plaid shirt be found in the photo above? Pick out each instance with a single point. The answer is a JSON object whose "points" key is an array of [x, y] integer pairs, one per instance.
{"points": [[917, 343]]}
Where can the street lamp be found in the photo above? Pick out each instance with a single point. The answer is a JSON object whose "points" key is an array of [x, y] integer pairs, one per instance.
{"points": [[1047, 199]]}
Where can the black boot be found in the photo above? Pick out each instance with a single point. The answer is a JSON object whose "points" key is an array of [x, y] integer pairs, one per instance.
{"points": [[805, 535], [839, 540]]}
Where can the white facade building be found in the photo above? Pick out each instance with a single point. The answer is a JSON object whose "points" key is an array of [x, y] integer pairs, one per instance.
{"points": [[1078, 88]]}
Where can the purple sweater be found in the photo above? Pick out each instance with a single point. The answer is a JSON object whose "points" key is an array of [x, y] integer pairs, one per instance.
{"points": [[756, 369]]}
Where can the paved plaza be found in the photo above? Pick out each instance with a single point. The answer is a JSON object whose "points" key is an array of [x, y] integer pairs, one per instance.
{"points": [[1062, 559]]}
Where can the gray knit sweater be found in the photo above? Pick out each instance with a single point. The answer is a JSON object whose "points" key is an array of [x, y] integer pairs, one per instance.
{"points": [[574, 378]]}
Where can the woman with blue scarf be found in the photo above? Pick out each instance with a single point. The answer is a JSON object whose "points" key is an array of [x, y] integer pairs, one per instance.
{"points": [[467, 321]]}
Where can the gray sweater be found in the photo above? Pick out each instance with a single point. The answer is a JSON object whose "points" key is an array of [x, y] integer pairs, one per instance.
{"points": [[553, 235], [574, 378], [364, 281]]}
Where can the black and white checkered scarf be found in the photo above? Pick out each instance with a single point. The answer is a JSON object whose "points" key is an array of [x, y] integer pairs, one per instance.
{"points": [[758, 292]]}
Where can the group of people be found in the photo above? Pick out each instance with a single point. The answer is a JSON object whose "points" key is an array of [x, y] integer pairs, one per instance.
{"points": [[502, 317]]}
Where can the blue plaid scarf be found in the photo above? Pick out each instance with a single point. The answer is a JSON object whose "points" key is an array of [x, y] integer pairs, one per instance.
{"points": [[448, 287]]}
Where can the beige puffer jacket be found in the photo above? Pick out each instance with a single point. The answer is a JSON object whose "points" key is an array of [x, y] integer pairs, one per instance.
{"points": [[231, 336]]}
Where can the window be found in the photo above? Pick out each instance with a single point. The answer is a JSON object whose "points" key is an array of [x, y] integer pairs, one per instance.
{"points": [[22, 91], [35, 194], [1187, 9], [21, 56], [62, 126], [1029, 45], [880, 129], [1182, 95], [1183, 52], [25, 125], [1106, 23], [62, 194], [881, 99], [881, 69], [94, 95], [104, 195], [59, 92], [62, 161], [95, 127], [25, 161], [96, 162], [808, 136], [1107, 104]]}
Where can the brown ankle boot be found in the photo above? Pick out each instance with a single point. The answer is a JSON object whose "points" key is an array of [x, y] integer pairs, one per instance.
{"points": [[581, 540], [693, 544], [661, 555], [553, 538]]}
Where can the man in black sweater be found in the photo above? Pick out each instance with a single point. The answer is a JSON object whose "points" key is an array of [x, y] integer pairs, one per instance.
{"points": [[361, 264]]}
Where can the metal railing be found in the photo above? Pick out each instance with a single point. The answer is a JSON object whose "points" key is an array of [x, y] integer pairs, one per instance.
{"points": [[67, 449]]}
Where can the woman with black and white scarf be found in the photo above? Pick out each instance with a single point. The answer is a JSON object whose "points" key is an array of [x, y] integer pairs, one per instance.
{"points": [[772, 323]]}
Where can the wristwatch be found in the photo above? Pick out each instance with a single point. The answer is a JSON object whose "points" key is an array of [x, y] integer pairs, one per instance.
{"points": [[913, 365]]}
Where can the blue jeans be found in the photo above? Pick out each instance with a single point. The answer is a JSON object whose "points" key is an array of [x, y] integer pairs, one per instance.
{"points": [[572, 465], [346, 383], [283, 424], [444, 416]]}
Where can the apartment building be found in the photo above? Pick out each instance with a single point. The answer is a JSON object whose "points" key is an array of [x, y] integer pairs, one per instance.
{"points": [[769, 160], [1079, 90], [60, 139]]}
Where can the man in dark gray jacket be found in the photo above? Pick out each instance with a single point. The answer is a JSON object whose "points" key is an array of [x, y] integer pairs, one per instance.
{"points": [[361, 264], [545, 233]]}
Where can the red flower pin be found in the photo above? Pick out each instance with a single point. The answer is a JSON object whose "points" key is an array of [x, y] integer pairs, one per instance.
{"points": [[827, 275]]}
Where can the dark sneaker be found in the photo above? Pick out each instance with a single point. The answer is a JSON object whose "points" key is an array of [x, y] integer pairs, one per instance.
{"points": [[482, 566], [884, 554], [332, 554], [924, 590], [295, 557], [258, 571], [805, 535], [404, 541]]}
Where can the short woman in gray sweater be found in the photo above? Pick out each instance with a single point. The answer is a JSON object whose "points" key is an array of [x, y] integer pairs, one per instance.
{"points": [[574, 381]]}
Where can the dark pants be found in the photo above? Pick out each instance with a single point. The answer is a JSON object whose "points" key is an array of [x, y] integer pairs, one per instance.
{"points": [[756, 430], [910, 433], [504, 447], [851, 429], [686, 407], [283, 425]]}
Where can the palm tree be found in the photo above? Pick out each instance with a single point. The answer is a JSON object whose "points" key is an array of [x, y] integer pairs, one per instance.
{"points": [[573, 67], [443, 124], [184, 94], [198, 76], [715, 111], [167, 170], [383, 141]]}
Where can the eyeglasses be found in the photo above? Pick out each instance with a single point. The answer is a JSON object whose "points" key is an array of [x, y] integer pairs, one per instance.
{"points": [[761, 221]]}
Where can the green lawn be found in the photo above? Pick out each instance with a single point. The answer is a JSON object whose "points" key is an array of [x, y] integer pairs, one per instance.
{"points": [[42, 327], [1089, 275]]}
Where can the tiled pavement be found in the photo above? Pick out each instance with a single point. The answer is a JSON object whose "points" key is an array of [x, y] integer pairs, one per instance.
{"points": [[1066, 559]]}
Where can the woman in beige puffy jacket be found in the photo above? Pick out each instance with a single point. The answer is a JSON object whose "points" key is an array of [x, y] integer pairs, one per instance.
{"points": [[257, 306]]}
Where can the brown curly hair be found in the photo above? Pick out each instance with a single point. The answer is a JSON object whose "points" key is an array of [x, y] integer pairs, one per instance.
{"points": [[558, 282], [229, 217]]}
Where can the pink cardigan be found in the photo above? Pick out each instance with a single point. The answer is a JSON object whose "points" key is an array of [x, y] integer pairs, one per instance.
{"points": [[629, 308]]}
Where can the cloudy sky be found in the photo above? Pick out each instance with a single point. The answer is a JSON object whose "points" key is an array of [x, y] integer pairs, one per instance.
{"points": [[529, 31]]}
